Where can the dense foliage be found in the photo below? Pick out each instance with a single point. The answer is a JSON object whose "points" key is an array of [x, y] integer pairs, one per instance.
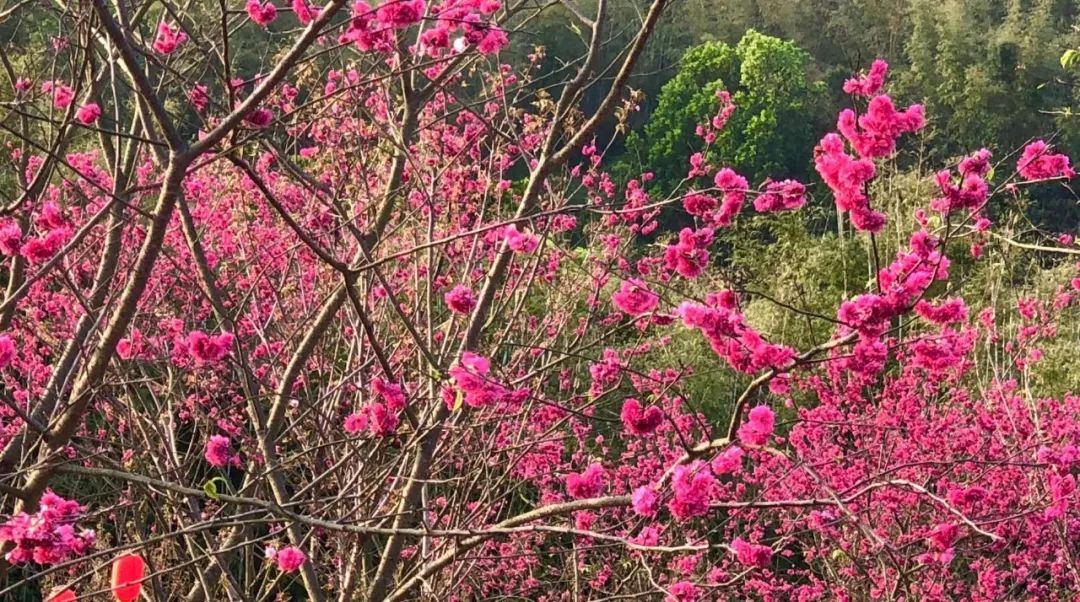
{"points": [[381, 315]]}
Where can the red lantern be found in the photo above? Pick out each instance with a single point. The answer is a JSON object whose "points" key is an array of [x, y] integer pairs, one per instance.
{"points": [[127, 575], [65, 596]]}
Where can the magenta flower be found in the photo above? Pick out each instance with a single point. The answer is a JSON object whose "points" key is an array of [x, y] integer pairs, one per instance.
{"points": [[62, 94], [168, 39], [1038, 163], [259, 118], [304, 12], [399, 14], [520, 242], [262, 13], [208, 349], [639, 422], [48, 536], [645, 502], [728, 462], [756, 431], [869, 84], [586, 484], [289, 559], [460, 299], [751, 554], [88, 113], [7, 350], [787, 195], [693, 486], [218, 451], [634, 297]]}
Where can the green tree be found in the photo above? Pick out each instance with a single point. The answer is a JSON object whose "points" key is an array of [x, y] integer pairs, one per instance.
{"points": [[772, 130]]}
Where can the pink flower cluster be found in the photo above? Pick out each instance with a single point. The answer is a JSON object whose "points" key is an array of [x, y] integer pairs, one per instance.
{"points": [[49, 535], [460, 299], [872, 135], [88, 113], [472, 382], [749, 554], [62, 94], [208, 349], [787, 195], [972, 190], [471, 20], [261, 13], [640, 421], [383, 417], [518, 241], [688, 256], [693, 487], [731, 337], [7, 350], [635, 298], [734, 188], [168, 40], [757, 429], [1037, 162], [287, 559], [219, 451], [589, 483], [869, 84]]}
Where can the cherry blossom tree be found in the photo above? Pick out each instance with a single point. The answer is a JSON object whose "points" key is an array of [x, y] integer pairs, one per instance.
{"points": [[377, 323]]}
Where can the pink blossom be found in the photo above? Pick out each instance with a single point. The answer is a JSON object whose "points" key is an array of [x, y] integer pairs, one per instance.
{"points": [[10, 238], [756, 431], [874, 133], [869, 84], [586, 484], [304, 12], [734, 187], [634, 297], [40, 250], [199, 97], [23, 84], [262, 13], [88, 113], [460, 299], [728, 462], [787, 195], [259, 118], [471, 378], [692, 486], [62, 94], [289, 559], [688, 256], [520, 242], [392, 394], [207, 348], [640, 422], [847, 177], [683, 591], [751, 554], [168, 39], [48, 536], [355, 422], [493, 41], [949, 311], [400, 14], [218, 450], [7, 350], [645, 502], [1038, 163]]}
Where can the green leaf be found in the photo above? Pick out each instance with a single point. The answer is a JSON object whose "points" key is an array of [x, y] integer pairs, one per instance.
{"points": [[1069, 58], [211, 490]]}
